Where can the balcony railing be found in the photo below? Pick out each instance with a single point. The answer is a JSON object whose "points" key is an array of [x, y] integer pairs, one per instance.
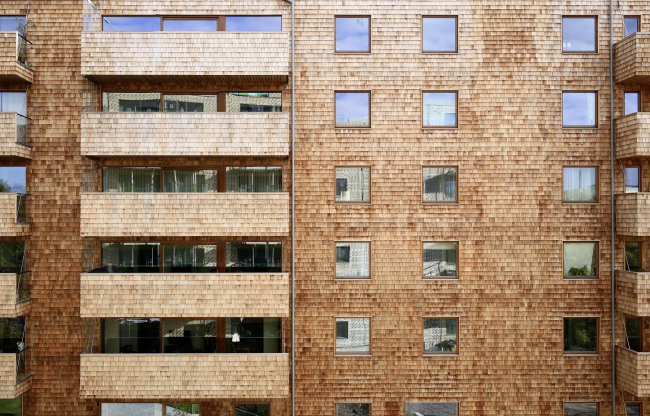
{"points": [[21, 128], [23, 286], [22, 368], [23, 44]]}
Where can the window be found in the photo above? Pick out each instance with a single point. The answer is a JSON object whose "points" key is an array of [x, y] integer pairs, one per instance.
{"points": [[352, 34], [579, 109], [579, 34], [253, 102], [439, 184], [131, 102], [13, 102], [11, 407], [254, 335], [131, 23], [149, 409], [193, 103], [632, 179], [580, 335], [633, 409], [253, 23], [353, 409], [439, 109], [440, 34], [634, 333], [12, 23], [352, 184], [130, 335], [431, 408], [253, 257], [189, 258], [352, 109], [581, 259], [633, 256], [130, 257], [13, 179], [252, 410], [189, 25], [440, 335], [353, 260], [254, 179], [440, 259], [580, 409], [580, 184], [131, 179], [177, 180], [189, 336], [357, 336], [210, 24], [179, 102], [631, 25], [12, 256], [632, 102]]}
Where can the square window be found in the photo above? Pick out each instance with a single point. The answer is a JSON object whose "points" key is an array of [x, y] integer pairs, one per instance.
{"points": [[634, 333], [353, 34], [579, 34], [580, 184], [631, 25], [439, 109], [581, 335], [352, 184], [632, 102], [357, 337], [439, 34], [353, 260], [633, 256], [252, 410], [352, 109], [353, 409], [432, 408], [440, 259], [440, 335], [580, 409], [579, 109], [632, 179], [581, 259], [633, 409], [439, 184]]}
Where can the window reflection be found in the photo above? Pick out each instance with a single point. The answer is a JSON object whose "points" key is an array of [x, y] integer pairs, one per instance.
{"points": [[190, 103], [352, 109], [632, 102], [12, 23], [131, 102], [130, 257], [580, 184], [439, 109], [353, 34], [131, 179], [13, 102], [131, 24], [180, 180], [632, 176], [439, 34], [579, 34], [13, 179], [254, 23], [253, 102], [12, 257], [253, 257], [191, 336], [253, 335], [254, 179], [131, 335], [189, 258], [190, 25], [579, 109], [631, 25]]}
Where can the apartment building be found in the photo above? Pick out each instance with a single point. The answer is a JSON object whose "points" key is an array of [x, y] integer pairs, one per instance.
{"points": [[352, 208]]}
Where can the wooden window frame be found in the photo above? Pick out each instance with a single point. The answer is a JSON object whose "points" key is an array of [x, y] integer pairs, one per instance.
{"points": [[369, 167], [354, 354], [640, 95], [641, 331], [422, 109], [640, 403], [354, 16], [247, 401], [597, 115], [455, 51], [638, 23], [582, 353], [565, 402], [574, 16], [625, 265], [353, 402], [597, 201], [597, 277], [369, 242], [443, 353], [446, 278], [423, 167], [369, 92]]}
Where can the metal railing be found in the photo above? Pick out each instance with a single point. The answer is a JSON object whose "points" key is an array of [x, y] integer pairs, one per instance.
{"points": [[23, 286], [21, 49], [21, 128], [22, 368], [21, 208]]}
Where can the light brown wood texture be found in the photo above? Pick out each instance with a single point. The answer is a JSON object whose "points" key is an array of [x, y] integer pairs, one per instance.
{"points": [[632, 136], [631, 59], [9, 305], [633, 371], [8, 138], [10, 70], [9, 388]]}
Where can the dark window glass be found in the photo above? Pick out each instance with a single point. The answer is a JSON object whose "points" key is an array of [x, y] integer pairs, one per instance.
{"points": [[580, 409], [431, 409], [13, 179], [254, 23], [632, 175], [581, 335], [13, 102], [190, 25], [254, 102], [343, 254], [12, 23], [357, 340], [352, 109], [131, 102], [190, 336], [439, 34], [190, 103], [252, 410], [254, 335], [12, 255], [440, 335], [11, 335], [439, 109], [189, 259], [11, 407], [352, 409], [341, 188], [131, 24], [633, 409], [353, 34], [631, 25], [253, 257], [439, 184], [632, 102], [177, 180], [633, 334], [342, 329], [254, 179], [580, 184], [130, 257], [633, 257], [579, 34], [131, 179], [440, 259], [581, 259], [579, 109], [131, 335]]}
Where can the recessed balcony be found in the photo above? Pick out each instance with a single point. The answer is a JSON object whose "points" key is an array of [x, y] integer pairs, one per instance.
{"points": [[633, 214], [13, 59], [13, 136], [631, 59], [633, 371], [15, 294], [245, 57], [633, 136]]}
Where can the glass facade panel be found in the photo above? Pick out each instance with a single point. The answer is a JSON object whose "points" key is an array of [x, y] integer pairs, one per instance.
{"points": [[581, 259], [11, 24], [357, 339], [352, 409], [581, 335], [633, 256], [130, 257], [440, 335], [13, 102], [131, 23], [252, 410], [580, 184], [440, 259], [439, 184], [439, 109], [439, 34], [254, 335], [253, 102], [353, 34], [252, 257], [189, 259], [11, 407], [580, 409], [352, 109], [431, 409], [181, 103], [632, 102], [254, 179], [12, 257], [632, 175], [131, 335], [254, 23], [131, 179], [579, 109], [12, 332], [13, 179], [190, 25], [353, 260], [190, 336], [579, 34], [131, 102], [631, 25], [177, 180], [352, 184]]}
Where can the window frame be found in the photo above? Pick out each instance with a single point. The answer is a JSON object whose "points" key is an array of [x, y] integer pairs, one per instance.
{"points": [[596, 34], [354, 16], [354, 354], [597, 201], [597, 115], [369, 277], [444, 353], [336, 403], [369, 126], [422, 168], [597, 277], [422, 92], [638, 23], [640, 94], [246, 401], [565, 402], [582, 353], [444, 278], [625, 265], [369, 202], [455, 52]]}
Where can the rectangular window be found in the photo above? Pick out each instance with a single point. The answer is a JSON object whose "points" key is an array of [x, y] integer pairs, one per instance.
{"points": [[254, 179], [440, 34], [633, 256], [189, 258], [193, 103], [13, 179], [130, 257], [131, 23], [177, 180], [353, 409], [357, 340], [632, 179], [353, 34], [254, 23], [633, 333], [431, 408], [254, 102], [12, 24], [12, 257], [131, 102], [353, 260], [440, 259], [11, 407], [581, 335], [352, 109], [439, 184], [352, 184], [580, 409], [439, 109], [632, 102], [579, 109], [140, 409], [581, 259], [253, 257], [189, 25], [252, 410], [131, 179], [580, 184], [131, 335], [254, 335], [579, 34], [440, 335], [631, 25], [189, 336], [13, 102], [633, 409]]}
